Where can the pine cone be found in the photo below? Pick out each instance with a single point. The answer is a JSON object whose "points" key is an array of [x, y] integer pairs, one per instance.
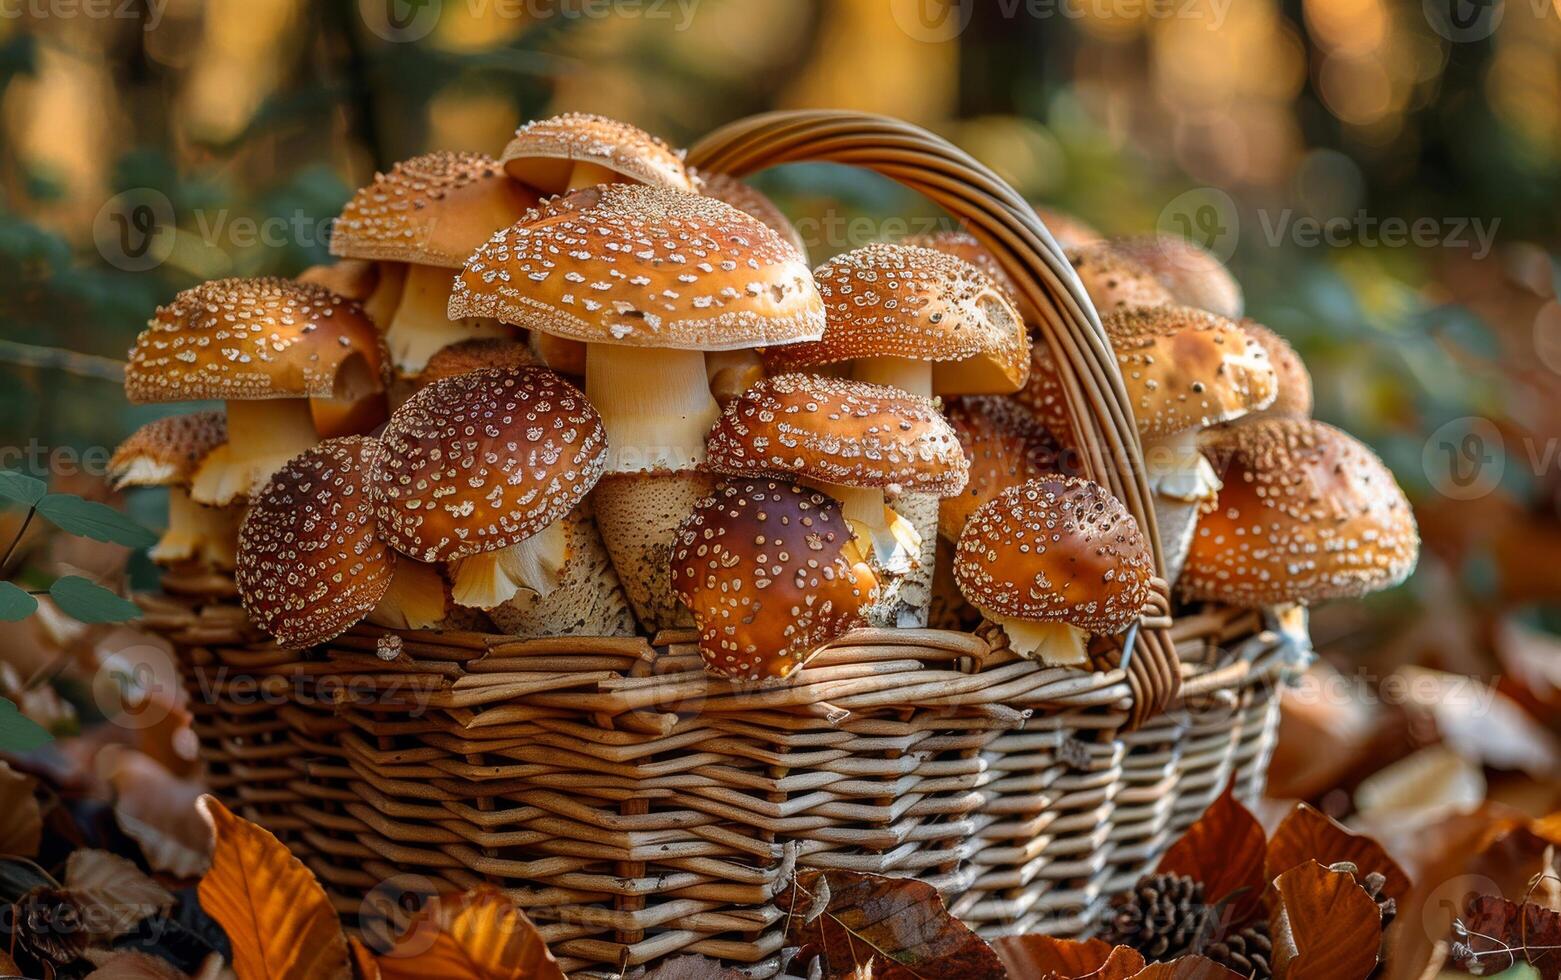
{"points": [[1162, 917], [49, 929], [1248, 952]]}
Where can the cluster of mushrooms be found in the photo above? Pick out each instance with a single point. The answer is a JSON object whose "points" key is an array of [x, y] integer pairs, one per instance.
{"points": [[583, 389]]}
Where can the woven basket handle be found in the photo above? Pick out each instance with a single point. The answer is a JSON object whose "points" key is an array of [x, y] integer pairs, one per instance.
{"points": [[1006, 224]]}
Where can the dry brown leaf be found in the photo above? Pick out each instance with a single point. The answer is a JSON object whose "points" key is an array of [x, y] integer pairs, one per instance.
{"points": [[157, 811], [129, 965], [1480, 723], [1325, 726], [1040, 956], [1224, 850], [1308, 835], [900, 922], [21, 821], [278, 919], [8, 966], [1499, 934], [692, 967], [1420, 788], [1323, 924], [1186, 968], [1532, 660], [477, 935], [364, 966], [113, 893]]}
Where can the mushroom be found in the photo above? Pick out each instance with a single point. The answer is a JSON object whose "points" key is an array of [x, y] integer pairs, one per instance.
{"points": [[588, 600], [577, 149], [355, 279], [1114, 281], [419, 222], [1194, 276], [852, 440], [265, 347], [1052, 561], [1306, 513], [166, 453], [1295, 382], [479, 469], [963, 245], [476, 355], [772, 573], [750, 200], [1185, 370], [1004, 446], [418, 598], [309, 563], [649, 279], [1068, 230]]}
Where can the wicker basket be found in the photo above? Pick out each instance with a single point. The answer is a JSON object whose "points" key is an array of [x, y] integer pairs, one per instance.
{"points": [[638, 808]]}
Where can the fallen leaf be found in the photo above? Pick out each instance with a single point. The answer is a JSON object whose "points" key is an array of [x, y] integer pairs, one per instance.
{"points": [[1186, 968], [8, 966], [21, 821], [364, 966], [113, 893], [900, 922], [692, 967], [476, 935], [1325, 726], [1499, 934], [1308, 835], [1323, 924], [277, 917], [1420, 788], [1224, 850], [157, 811], [1480, 723], [130, 965], [1040, 956]]}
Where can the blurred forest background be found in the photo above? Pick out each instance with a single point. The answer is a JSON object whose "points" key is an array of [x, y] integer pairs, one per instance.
{"points": [[1296, 138]]}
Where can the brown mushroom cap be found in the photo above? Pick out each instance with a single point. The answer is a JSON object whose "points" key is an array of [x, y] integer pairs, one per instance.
{"points": [[544, 152], [352, 278], [1306, 513], [476, 355], [1060, 549], [309, 563], [1069, 231], [1295, 382], [1114, 281], [1185, 369], [643, 267], [849, 433], [772, 574], [750, 200], [1005, 447], [482, 461], [245, 339], [166, 452], [433, 209], [892, 300], [963, 245], [1194, 276]]}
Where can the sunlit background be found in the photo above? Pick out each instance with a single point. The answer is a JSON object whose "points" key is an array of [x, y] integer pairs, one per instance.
{"points": [[1290, 137]]}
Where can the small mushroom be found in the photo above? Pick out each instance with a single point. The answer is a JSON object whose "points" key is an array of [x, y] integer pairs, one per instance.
{"points": [[265, 347], [1068, 230], [1295, 382], [476, 355], [1194, 276], [309, 563], [166, 453], [750, 200], [1114, 281], [1051, 562], [963, 245], [479, 470], [772, 573], [577, 149], [1004, 445]]}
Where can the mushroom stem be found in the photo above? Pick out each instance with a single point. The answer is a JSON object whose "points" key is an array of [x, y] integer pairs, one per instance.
{"points": [[262, 436], [382, 302], [655, 404], [1176, 469], [732, 372], [585, 174], [416, 599], [1053, 644], [421, 326], [905, 373], [208, 534], [880, 530], [495, 577]]}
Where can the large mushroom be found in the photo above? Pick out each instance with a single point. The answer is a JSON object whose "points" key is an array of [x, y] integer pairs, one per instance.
{"points": [[419, 222], [1053, 561], [166, 453], [480, 470], [578, 149], [1115, 282], [772, 573], [1295, 382], [964, 245], [265, 347], [1185, 371], [649, 279], [1193, 275], [1004, 445]]}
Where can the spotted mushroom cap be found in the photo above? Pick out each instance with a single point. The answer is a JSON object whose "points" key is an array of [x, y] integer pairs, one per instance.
{"points": [[1295, 382], [772, 574], [309, 563], [1115, 282], [167, 452], [1306, 513], [1005, 447], [643, 267], [433, 209], [481, 461], [1194, 276], [1059, 549], [476, 355], [892, 300], [352, 278], [963, 245], [750, 200], [850, 433], [244, 339], [1185, 369], [544, 151]]}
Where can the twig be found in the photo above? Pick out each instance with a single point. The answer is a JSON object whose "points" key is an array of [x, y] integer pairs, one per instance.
{"points": [[59, 359], [10, 552]]}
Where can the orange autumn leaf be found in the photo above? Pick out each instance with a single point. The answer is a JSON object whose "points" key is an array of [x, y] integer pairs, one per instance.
{"points": [[1186, 968], [278, 920], [364, 965], [1224, 849], [1308, 834], [1323, 924], [1040, 956], [478, 935]]}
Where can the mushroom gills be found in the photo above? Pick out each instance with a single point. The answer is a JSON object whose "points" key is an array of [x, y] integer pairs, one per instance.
{"points": [[495, 577], [655, 404], [207, 534], [382, 302], [1053, 644], [905, 373], [421, 325], [262, 436], [880, 530], [415, 599], [1177, 470]]}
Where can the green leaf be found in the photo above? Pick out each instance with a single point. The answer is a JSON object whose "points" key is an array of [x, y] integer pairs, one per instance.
{"points": [[15, 604], [89, 603], [93, 520], [19, 733], [21, 488]]}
